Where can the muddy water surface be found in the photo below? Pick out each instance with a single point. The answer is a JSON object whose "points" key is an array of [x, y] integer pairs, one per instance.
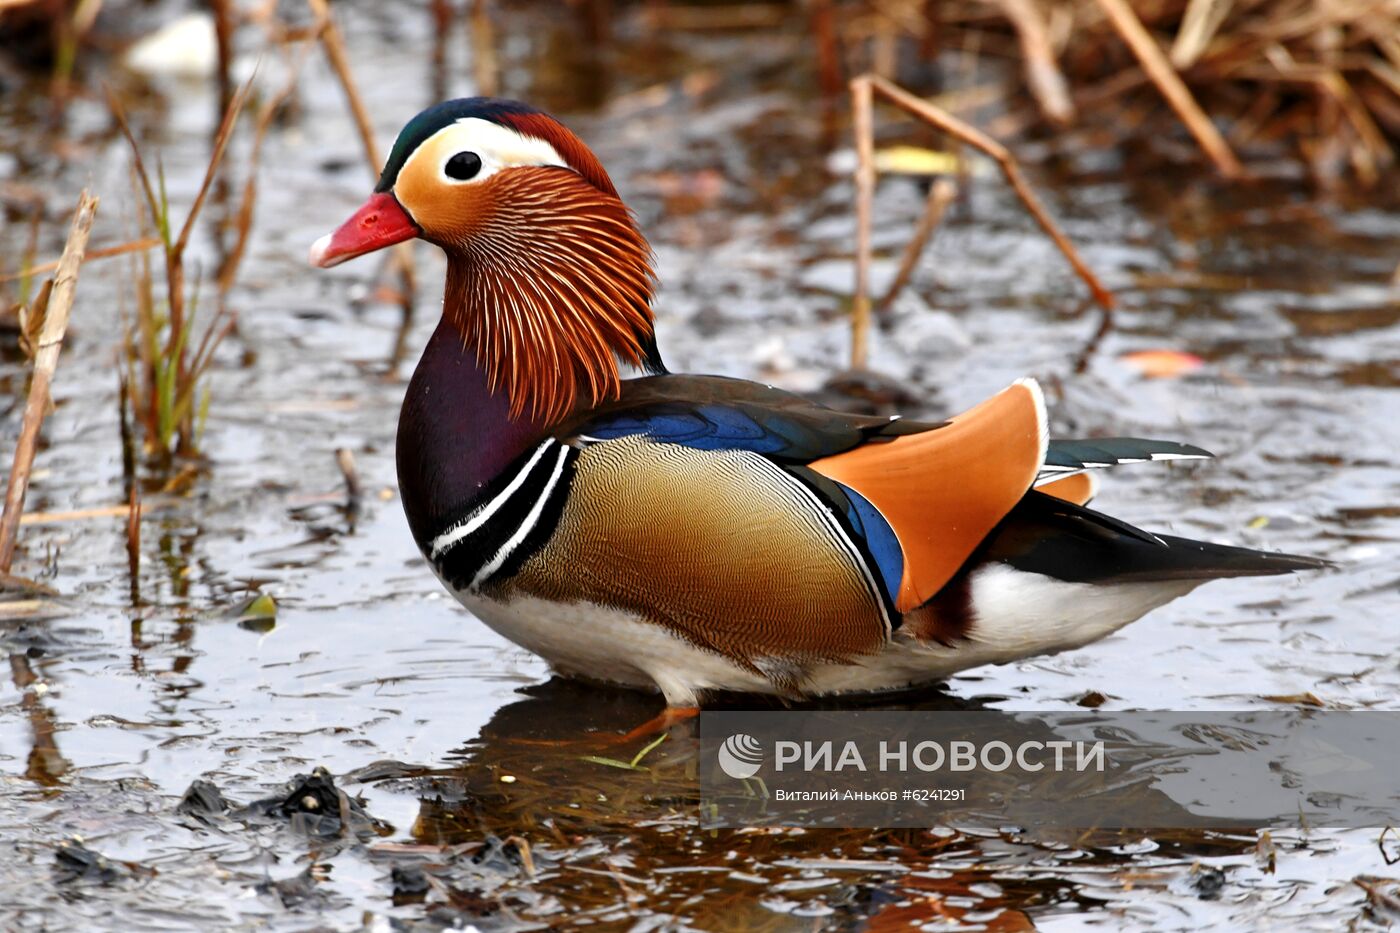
{"points": [[115, 705]]}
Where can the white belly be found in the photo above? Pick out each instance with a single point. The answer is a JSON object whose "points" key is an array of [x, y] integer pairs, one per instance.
{"points": [[1018, 615], [601, 643]]}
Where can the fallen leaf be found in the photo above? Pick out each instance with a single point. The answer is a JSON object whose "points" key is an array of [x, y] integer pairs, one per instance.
{"points": [[1162, 364], [912, 160]]}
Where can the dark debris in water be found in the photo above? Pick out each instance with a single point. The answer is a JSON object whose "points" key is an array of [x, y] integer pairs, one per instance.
{"points": [[1208, 883], [313, 805], [76, 863], [310, 804], [298, 890], [203, 801], [410, 884]]}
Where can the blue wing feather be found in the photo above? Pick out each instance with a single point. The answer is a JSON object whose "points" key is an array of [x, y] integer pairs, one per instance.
{"points": [[880, 541], [702, 427]]}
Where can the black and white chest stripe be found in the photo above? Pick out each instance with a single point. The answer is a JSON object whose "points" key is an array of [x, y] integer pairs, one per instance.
{"points": [[513, 519]]}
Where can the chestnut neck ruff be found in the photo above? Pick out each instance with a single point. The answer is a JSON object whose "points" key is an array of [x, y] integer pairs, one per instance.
{"points": [[553, 294]]}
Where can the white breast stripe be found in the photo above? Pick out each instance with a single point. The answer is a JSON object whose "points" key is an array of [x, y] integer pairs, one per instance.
{"points": [[529, 523], [483, 513]]}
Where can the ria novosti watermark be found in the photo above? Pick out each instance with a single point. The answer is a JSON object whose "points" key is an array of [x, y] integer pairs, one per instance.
{"points": [[1074, 770], [929, 756]]}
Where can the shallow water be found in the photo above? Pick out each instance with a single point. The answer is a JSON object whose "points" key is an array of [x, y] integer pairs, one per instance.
{"points": [[114, 708]]}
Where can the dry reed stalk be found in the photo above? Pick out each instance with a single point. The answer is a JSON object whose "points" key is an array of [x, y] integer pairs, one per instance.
{"points": [[940, 119], [175, 257], [228, 271], [354, 489], [862, 108], [334, 45], [105, 252], [444, 16], [133, 542], [223, 39], [823, 24], [45, 362], [169, 414], [1199, 25], [718, 17], [1155, 63], [1043, 75], [485, 69], [941, 194]]}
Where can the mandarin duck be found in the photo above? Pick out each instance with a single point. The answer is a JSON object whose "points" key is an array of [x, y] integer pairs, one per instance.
{"points": [[690, 533]]}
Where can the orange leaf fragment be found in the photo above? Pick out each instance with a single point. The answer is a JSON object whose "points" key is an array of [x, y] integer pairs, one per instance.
{"points": [[1162, 364]]}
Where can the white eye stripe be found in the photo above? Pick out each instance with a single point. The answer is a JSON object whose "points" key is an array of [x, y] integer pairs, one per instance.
{"points": [[497, 146]]}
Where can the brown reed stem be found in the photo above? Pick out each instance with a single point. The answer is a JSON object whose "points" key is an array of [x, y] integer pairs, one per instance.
{"points": [[1043, 76], [354, 489], [334, 44], [940, 195], [941, 119], [1155, 63], [228, 273], [862, 107], [45, 362], [133, 542], [105, 252], [485, 70]]}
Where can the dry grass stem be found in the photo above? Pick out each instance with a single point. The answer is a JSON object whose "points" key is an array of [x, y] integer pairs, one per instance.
{"points": [[485, 69], [228, 272], [940, 195], [1160, 70], [863, 107], [105, 252], [1043, 75], [50, 342], [354, 489], [334, 44], [1198, 26], [83, 515], [133, 542], [974, 137]]}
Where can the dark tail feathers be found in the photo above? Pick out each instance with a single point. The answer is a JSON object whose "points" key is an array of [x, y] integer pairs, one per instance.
{"points": [[1045, 535]]}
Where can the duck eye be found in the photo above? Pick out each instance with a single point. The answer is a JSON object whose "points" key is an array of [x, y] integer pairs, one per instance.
{"points": [[463, 166]]}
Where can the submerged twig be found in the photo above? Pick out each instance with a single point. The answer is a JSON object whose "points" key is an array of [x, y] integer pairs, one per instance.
{"points": [[354, 490], [133, 543], [522, 847], [50, 342]]}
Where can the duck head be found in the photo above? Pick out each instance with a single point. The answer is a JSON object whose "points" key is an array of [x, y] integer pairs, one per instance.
{"points": [[549, 280]]}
